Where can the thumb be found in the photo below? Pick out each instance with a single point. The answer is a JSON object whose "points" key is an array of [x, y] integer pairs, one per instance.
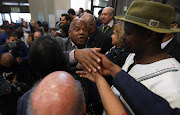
{"points": [[99, 54]]}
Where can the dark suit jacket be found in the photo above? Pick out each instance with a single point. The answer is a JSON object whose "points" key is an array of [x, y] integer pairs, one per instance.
{"points": [[99, 39], [22, 104], [109, 32], [66, 46], [173, 48]]}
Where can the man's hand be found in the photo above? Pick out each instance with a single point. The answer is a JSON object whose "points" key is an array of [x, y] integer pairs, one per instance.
{"points": [[87, 59], [108, 67], [92, 76]]}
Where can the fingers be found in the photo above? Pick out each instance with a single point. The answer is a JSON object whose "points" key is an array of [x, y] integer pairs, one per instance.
{"points": [[99, 54], [87, 59], [81, 72], [95, 49]]}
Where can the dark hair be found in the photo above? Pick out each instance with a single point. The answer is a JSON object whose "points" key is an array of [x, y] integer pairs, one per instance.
{"points": [[67, 17], [88, 11], [46, 56], [31, 35], [65, 28], [44, 23], [71, 11], [39, 23], [100, 11], [12, 35], [19, 32], [82, 9]]}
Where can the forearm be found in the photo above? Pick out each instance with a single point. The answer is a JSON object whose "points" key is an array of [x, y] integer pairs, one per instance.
{"points": [[110, 102], [129, 87]]}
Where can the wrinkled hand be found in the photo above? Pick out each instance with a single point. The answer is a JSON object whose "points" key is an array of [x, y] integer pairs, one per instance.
{"points": [[87, 59]]}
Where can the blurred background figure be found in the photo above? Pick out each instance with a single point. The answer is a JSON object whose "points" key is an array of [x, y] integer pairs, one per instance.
{"points": [[81, 10], [46, 29], [26, 27], [30, 38]]}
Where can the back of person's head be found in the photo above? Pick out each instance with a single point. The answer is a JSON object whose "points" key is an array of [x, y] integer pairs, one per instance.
{"points": [[45, 23], [57, 94], [45, 56], [19, 32], [100, 11], [88, 11], [71, 11], [39, 23], [89, 19], [6, 59]]}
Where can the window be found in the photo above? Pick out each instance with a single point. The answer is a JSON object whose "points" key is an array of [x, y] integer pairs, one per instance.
{"points": [[76, 4], [16, 17]]}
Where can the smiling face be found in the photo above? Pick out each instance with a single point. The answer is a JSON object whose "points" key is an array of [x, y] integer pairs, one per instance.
{"points": [[78, 32]]}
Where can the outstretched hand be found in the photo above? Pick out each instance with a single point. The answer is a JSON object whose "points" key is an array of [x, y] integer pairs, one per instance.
{"points": [[87, 59], [92, 76], [107, 67]]}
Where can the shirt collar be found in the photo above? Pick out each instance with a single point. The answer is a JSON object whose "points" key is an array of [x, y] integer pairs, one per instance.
{"points": [[164, 44], [111, 23], [73, 45]]}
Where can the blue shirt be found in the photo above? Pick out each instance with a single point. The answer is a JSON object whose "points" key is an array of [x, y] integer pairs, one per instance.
{"points": [[141, 100], [22, 53], [3, 38]]}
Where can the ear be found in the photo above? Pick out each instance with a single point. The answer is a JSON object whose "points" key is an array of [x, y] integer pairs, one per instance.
{"points": [[175, 25]]}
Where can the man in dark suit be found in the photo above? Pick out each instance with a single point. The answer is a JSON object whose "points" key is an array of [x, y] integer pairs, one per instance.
{"points": [[107, 20], [171, 45], [78, 35], [96, 38], [171, 42]]}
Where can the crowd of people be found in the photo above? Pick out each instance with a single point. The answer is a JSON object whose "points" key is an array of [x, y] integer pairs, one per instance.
{"points": [[89, 65]]}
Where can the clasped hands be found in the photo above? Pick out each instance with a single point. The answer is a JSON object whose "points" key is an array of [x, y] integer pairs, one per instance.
{"points": [[95, 64]]}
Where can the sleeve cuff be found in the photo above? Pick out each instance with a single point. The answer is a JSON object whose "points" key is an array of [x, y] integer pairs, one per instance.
{"points": [[71, 57]]}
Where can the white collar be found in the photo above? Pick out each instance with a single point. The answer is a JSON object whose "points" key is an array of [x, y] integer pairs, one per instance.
{"points": [[111, 23], [73, 45], [164, 44]]}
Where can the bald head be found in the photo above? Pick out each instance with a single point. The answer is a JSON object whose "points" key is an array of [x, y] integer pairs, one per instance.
{"points": [[6, 59], [58, 94], [91, 22], [76, 21], [89, 19]]}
